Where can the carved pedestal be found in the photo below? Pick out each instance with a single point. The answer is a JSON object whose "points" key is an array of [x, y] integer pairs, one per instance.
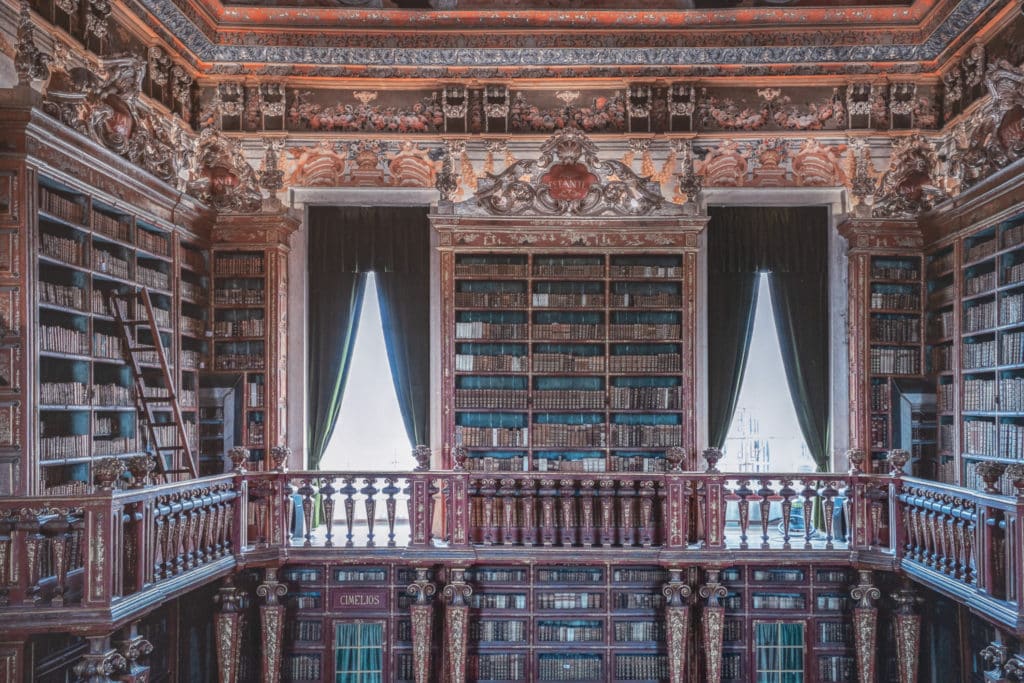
{"points": [[422, 615], [272, 625], [865, 626], [227, 624], [677, 624], [456, 625], [133, 648], [712, 626]]}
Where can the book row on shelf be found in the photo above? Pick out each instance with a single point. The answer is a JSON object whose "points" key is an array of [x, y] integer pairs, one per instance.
{"points": [[901, 330], [244, 297], [981, 437], [1013, 235], [980, 250], [503, 601], [1012, 347], [940, 263], [1013, 274], [977, 284], [108, 263], [301, 667], [236, 264], [835, 632], [894, 270], [556, 300], [653, 300], [254, 392], [192, 291], [979, 394], [116, 446], [638, 631], [152, 278], [304, 631], [641, 667], [576, 631], [495, 667], [942, 358], [60, 206], [836, 668], [570, 600], [569, 667], [251, 327], [895, 300], [731, 668], [573, 435], [153, 243], [63, 393], [62, 295], [780, 601], [240, 361], [504, 631], [980, 317], [899, 361], [940, 325], [880, 397], [64, 249], [63, 340], [194, 259], [941, 297], [1011, 308]]}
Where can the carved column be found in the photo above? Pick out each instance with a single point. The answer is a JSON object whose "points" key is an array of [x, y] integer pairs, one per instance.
{"points": [[908, 633], [422, 615], [272, 624], [134, 647], [456, 624], [100, 662], [227, 624], [677, 624], [865, 625], [712, 625], [12, 661]]}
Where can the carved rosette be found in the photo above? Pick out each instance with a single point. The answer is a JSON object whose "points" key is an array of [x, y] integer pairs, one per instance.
{"points": [[865, 625], [422, 616], [272, 623], [677, 624], [712, 625], [456, 624], [227, 624], [908, 635]]}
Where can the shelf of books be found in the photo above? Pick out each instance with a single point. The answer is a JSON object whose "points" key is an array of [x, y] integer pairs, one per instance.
{"points": [[813, 602], [87, 251], [568, 362], [991, 348], [240, 335], [941, 362], [894, 338]]}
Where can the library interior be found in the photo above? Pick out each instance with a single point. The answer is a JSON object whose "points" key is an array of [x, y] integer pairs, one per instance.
{"points": [[471, 341]]}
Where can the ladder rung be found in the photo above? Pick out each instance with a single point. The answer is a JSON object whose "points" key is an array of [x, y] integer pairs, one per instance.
{"points": [[170, 448], [142, 348], [137, 321], [157, 399]]}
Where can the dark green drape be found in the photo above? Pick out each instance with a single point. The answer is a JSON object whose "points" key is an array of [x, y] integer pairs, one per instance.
{"points": [[732, 301], [345, 242], [791, 243]]}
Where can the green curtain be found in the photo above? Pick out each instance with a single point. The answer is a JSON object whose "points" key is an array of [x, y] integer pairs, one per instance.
{"points": [[335, 302], [345, 243], [359, 652], [791, 244]]}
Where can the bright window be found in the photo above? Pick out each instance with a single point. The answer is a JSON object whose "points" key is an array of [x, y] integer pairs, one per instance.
{"points": [[765, 435], [359, 652], [369, 433], [780, 652]]}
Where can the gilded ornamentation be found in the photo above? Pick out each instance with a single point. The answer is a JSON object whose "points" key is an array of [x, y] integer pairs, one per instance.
{"points": [[865, 625], [712, 624], [677, 624], [30, 62], [106, 473], [220, 175], [909, 186], [99, 663], [280, 455], [422, 455], [897, 460], [496, 102], [239, 456], [227, 628], [415, 167], [638, 101], [272, 614], [325, 166], [855, 457], [907, 634], [422, 615], [725, 165], [140, 467], [271, 176], [815, 165], [456, 621], [568, 179], [712, 456], [159, 65], [995, 656]]}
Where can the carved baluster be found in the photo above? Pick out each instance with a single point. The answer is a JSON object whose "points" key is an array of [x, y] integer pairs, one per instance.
{"points": [[742, 493], [949, 540], [646, 494], [606, 502], [910, 522], [421, 613], [828, 494], [456, 624], [677, 624], [488, 522], [57, 531], [477, 513], [174, 524], [349, 504], [272, 625], [787, 493], [765, 495], [587, 536], [627, 513], [712, 625], [390, 490], [370, 504], [877, 496], [527, 512], [289, 509], [509, 529], [34, 543], [546, 492], [227, 623], [907, 633], [970, 575], [188, 550], [201, 548], [160, 543], [957, 530], [307, 491], [567, 500], [931, 533], [865, 626], [808, 494], [327, 492]]}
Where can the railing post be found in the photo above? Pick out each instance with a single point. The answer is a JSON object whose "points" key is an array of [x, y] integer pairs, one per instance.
{"points": [[133, 647], [456, 624], [676, 506], [714, 501], [101, 536], [907, 633], [458, 508], [227, 624], [419, 509], [712, 621], [898, 458], [1015, 534]]}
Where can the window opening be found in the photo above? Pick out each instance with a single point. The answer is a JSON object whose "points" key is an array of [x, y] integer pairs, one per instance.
{"points": [[779, 651], [359, 652]]}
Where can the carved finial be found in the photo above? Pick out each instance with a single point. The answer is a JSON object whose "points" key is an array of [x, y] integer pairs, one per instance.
{"points": [[280, 455], [271, 589], [421, 589], [856, 457], [30, 63], [140, 467], [422, 455], [990, 472], [458, 458], [239, 456], [106, 472], [897, 459], [712, 456], [100, 662], [865, 592], [271, 176], [674, 458], [1015, 473]]}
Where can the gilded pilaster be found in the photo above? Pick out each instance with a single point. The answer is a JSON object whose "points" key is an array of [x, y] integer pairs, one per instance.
{"points": [[712, 625], [865, 625], [422, 615], [456, 624], [272, 624], [677, 624], [227, 624], [908, 634]]}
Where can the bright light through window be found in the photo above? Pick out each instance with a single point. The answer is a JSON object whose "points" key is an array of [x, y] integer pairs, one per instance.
{"points": [[765, 435], [369, 433]]}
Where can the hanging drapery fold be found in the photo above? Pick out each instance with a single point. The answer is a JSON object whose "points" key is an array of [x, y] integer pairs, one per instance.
{"points": [[346, 243], [791, 243]]}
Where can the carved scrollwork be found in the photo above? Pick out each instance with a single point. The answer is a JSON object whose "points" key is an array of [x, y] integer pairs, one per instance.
{"points": [[909, 186], [567, 179], [220, 175], [865, 592], [30, 62]]}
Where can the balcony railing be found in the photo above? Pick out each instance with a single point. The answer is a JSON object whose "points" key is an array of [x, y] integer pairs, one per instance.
{"points": [[100, 550]]}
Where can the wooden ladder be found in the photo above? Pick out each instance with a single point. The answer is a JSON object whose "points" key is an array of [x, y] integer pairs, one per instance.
{"points": [[129, 328]]}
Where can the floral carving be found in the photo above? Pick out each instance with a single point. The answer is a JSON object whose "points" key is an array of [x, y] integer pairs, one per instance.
{"points": [[221, 176], [424, 116], [601, 114], [909, 187], [568, 179], [729, 114]]}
